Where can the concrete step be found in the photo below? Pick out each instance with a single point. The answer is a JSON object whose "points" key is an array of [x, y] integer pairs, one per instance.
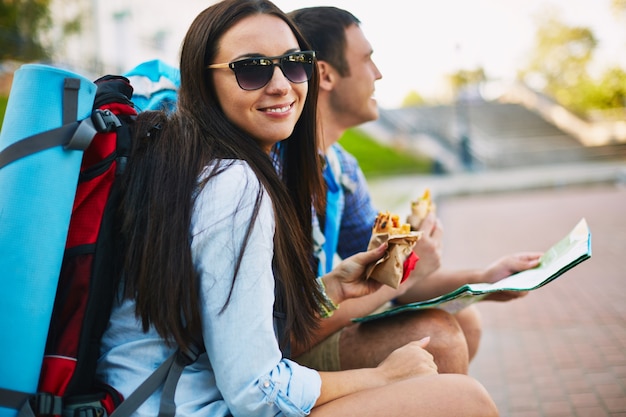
{"points": [[499, 135]]}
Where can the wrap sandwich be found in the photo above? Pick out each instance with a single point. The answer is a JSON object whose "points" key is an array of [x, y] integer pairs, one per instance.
{"points": [[420, 208], [399, 259]]}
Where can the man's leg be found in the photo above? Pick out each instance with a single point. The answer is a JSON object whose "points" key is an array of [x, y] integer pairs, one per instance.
{"points": [[470, 321], [367, 344]]}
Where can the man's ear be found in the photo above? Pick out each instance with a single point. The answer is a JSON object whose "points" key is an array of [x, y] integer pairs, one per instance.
{"points": [[327, 75]]}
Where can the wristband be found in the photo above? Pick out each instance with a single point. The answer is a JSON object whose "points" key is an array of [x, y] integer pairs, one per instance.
{"points": [[328, 307]]}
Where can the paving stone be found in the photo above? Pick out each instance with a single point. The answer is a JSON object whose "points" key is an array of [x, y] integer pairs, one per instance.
{"points": [[560, 350]]}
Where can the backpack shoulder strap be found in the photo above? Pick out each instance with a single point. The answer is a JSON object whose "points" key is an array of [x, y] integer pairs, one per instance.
{"points": [[334, 209], [167, 375], [17, 401]]}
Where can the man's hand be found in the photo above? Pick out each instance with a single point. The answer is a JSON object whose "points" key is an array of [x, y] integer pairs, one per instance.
{"points": [[504, 295], [507, 266], [428, 248], [511, 264]]}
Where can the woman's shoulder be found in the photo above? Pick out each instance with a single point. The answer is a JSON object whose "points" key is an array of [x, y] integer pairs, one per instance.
{"points": [[226, 190], [230, 180], [233, 171]]}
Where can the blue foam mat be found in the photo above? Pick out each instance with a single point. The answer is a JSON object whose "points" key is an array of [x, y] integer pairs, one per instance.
{"points": [[36, 198]]}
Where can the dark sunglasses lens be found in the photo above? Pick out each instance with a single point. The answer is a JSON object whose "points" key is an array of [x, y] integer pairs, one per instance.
{"points": [[253, 77], [255, 73], [297, 71]]}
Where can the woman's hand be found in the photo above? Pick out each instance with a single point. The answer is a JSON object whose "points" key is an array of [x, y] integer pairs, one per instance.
{"points": [[347, 280], [408, 361]]}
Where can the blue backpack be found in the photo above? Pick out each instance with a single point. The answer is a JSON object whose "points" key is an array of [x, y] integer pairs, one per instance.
{"points": [[155, 85]]}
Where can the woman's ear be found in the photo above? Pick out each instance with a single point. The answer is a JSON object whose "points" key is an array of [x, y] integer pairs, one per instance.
{"points": [[327, 75]]}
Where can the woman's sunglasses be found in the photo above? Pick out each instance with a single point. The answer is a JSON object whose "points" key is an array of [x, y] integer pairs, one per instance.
{"points": [[255, 73]]}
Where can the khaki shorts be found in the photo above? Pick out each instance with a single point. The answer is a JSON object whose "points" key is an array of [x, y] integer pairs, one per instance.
{"points": [[325, 355]]}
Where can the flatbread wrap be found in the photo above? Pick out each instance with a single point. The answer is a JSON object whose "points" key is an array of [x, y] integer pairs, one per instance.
{"points": [[399, 259], [420, 208]]}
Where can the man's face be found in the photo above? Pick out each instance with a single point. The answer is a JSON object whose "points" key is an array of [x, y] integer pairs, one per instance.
{"points": [[352, 96]]}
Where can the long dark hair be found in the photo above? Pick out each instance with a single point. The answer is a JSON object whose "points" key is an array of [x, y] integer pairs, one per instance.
{"points": [[324, 27], [162, 178]]}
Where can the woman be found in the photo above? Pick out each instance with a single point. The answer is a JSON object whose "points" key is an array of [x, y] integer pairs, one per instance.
{"points": [[217, 242]]}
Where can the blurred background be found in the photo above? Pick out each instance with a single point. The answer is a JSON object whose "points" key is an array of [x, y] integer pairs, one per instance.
{"points": [[512, 112], [466, 85]]}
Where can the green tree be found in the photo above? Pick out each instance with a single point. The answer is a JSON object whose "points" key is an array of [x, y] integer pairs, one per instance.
{"points": [[561, 56], [21, 24], [609, 92], [413, 98], [559, 61], [619, 6], [463, 78]]}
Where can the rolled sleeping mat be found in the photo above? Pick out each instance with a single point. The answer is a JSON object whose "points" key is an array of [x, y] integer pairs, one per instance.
{"points": [[36, 198]]}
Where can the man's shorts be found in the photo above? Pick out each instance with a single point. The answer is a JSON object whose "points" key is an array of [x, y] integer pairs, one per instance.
{"points": [[325, 355]]}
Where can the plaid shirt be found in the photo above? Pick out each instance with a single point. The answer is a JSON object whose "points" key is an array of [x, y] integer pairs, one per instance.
{"points": [[358, 212]]}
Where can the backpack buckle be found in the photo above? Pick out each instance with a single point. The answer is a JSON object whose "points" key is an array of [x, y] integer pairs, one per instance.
{"points": [[89, 411], [190, 355], [105, 120], [44, 403]]}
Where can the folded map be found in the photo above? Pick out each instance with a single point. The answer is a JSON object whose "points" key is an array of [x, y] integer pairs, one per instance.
{"points": [[560, 258]]}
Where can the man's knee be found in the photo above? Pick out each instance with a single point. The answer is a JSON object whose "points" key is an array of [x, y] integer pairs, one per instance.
{"points": [[447, 342], [367, 344], [471, 323]]}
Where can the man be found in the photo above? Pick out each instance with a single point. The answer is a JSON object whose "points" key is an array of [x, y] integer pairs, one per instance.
{"points": [[347, 78]]}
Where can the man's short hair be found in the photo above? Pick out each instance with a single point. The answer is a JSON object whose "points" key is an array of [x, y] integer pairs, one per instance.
{"points": [[324, 28]]}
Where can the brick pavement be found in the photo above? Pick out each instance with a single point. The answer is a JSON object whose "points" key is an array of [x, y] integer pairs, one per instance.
{"points": [[561, 350]]}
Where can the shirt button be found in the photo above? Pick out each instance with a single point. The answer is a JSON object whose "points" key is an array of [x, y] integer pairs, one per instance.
{"points": [[266, 384]]}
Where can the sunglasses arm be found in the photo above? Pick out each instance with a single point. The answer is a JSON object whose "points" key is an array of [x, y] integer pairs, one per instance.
{"points": [[224, 65]]}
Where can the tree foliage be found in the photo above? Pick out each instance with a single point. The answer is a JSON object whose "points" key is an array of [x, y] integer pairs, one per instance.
{"points": [[413, 98], [463, 78], [560, 62], [609, 92], [561, 56], [21, 24], [619, 6]]}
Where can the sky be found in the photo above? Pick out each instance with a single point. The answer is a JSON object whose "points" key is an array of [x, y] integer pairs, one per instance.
{"points": [[417, 43]]}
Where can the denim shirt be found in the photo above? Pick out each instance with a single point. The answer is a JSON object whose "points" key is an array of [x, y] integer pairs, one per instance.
{"points": [[242, 372]]}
